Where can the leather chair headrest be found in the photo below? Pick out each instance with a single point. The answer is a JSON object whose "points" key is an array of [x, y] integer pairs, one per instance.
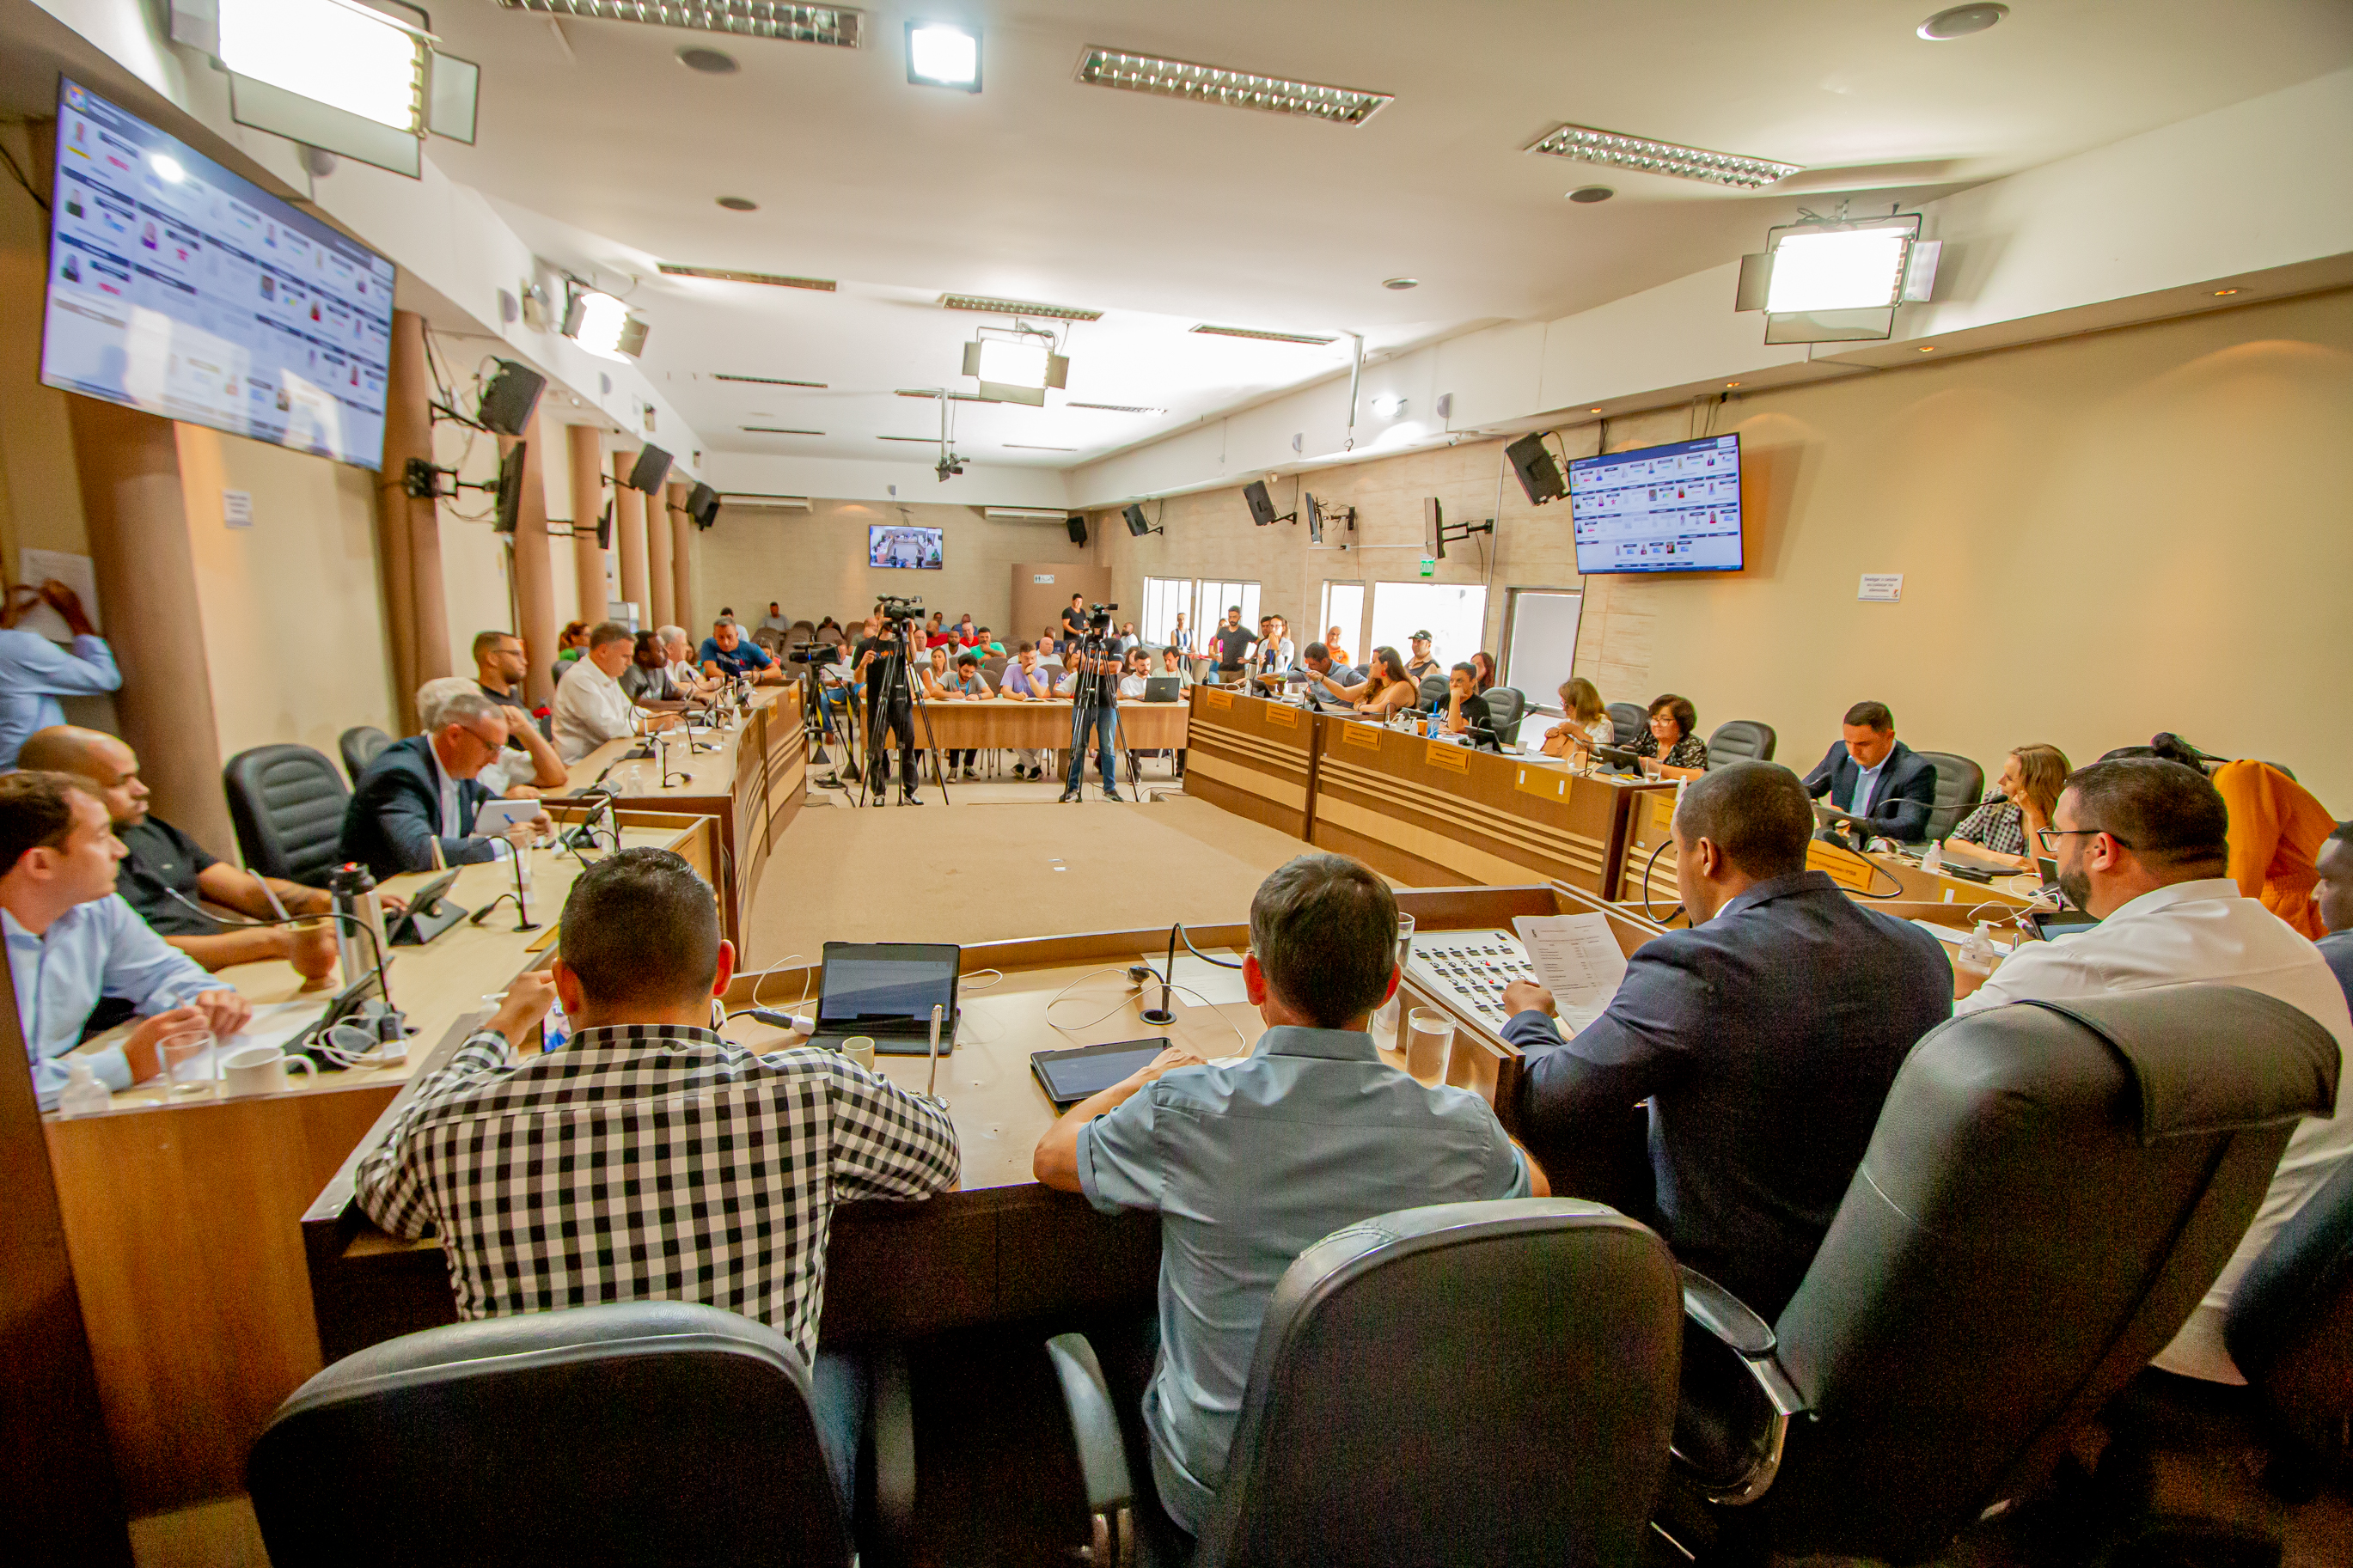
{"points": [[2175, 1042]]}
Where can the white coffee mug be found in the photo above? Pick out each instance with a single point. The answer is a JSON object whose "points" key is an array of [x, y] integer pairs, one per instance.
{"points": [[859, 1048], [259, 1070]]}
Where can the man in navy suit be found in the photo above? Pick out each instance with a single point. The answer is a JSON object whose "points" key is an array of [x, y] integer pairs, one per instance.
{"points": [[1887, 788], [423, 789], [1765, 1038]]}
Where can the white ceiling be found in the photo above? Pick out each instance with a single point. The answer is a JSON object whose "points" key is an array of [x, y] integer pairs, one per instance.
{"points": [[607, 155]]}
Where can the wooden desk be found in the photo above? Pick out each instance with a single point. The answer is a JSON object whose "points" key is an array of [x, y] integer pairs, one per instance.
{"points": [[1044, 725], [180, 1214], [752, 784], [1426, 813], [1001, 1248]]}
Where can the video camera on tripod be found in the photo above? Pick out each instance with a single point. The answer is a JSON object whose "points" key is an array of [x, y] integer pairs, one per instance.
{"points": [[900, 612]]}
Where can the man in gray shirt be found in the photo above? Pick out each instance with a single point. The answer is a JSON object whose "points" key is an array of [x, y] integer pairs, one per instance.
{"points": [[1248, 1163]]}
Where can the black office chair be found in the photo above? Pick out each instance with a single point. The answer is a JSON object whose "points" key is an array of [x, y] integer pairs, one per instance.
{"points": [[1433, 692], [1629, 720], [2050, 1190], [634, 1432], [2290, 1326], [287, 804], [1468, 1382], [1740, 741], [1507, 706], [359, 744], [1960, 785]]}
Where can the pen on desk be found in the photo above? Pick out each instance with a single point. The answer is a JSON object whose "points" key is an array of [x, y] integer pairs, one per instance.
{"points": [[276, 906], [438, 864]]}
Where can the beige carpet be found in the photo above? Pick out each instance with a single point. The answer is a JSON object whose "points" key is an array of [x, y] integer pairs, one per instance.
{"points": [[987, 871]]}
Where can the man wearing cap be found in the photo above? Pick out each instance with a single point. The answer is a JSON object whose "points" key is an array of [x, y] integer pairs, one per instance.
{"points": [[1422, 665]]}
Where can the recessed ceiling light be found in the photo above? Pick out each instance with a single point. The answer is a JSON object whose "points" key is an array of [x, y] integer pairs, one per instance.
{"points": [[1588, 195], [776, 430], [943, 53], [1400, 283], [767, 380], [2224, 293], [739, 204], [1100, 66], [730, 275], [1961, 21], [744, 18], [1264, 337], [988, 305], [1588, 145], [710, 62]]}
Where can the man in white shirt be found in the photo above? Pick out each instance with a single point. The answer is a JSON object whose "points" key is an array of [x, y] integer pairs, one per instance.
{"points": [[2142, 844], [590, 706]]}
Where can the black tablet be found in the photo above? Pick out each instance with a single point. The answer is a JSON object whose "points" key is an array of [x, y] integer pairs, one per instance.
{"points": [[1070, 1075]]}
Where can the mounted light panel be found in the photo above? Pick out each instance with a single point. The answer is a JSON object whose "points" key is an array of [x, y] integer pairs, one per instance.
{"points": [[344, 56], [841, 28], [728, 275], [603, 326], [1588, 145], [1163, 78], [943, 53], [1838, 269], [1012, 363]]}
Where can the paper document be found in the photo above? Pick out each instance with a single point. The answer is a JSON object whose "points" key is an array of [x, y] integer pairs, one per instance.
{"points": [[1577, 960], [74, 571]]}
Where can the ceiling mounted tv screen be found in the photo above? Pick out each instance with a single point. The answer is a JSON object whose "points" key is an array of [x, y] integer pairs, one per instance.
{"points": [[1658, 508], [915, 548], [179, 288]]}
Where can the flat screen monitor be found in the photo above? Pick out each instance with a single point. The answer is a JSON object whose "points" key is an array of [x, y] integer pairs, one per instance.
{"points": [[177, 288], [887, 545], [1314, 510], [1674, 508]]}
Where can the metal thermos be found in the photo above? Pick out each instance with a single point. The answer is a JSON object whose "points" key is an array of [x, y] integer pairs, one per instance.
{"points": [[353, 891]]}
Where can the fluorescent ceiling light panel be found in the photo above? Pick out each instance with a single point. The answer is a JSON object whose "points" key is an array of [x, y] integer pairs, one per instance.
{"points": [[926, 440], [1588, 145], [776, 430], [1024, 447], [1116, 407], [1101, 67], [941, 54], [1838, 269], [767, 380], [1028, 513], [953, 396], [993, 307], [727, 275], [1264, 337], [746, 18], [344, 56]]}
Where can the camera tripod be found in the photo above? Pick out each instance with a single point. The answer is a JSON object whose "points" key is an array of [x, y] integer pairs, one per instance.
{"points": [[883, 717], [1093, 691]]}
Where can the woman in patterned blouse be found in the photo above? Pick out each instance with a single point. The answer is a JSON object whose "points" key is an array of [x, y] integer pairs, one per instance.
{"points": [[2020, 802], [1670, 737]]}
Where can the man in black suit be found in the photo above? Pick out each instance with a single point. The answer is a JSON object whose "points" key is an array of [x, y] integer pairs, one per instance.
{"points": [[1765, 1038], [423, 791], [1887, 788]]}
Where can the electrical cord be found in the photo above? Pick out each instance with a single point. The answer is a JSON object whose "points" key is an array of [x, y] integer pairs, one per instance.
{"points": [[1647, 866], [375, 944]]}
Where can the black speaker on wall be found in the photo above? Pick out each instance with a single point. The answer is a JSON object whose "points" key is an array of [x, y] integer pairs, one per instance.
{"points": [[1539, 475], [1078, 526]]}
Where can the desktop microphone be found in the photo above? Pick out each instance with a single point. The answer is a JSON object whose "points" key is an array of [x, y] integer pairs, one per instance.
{"points": [[1163, 1015]]}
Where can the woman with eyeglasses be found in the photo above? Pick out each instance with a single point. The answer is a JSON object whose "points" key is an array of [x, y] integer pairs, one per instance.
{"points": [[1669, 736], [2001, 830]]}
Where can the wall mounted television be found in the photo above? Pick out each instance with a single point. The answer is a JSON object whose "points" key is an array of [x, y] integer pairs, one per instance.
{"points": [[1674, 508], [177, 288], [889, 545]]}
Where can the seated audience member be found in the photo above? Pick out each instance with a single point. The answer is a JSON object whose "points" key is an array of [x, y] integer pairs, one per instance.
{"points": [[2003, 826], [1026, 681], [1172, 662], [1466, 709], [965, 685], [828, 625], [646, 680], [413, 808], [570, 644], [685, 674], [775, 620], [1251, 1163], [2143, 845], [1327, 670], [968, 635], [731, 1162], [1047, 654], [590, 706], [1889, 790], [1585, 722], [73, 942], [1669, 737], [1128, 641], [1333, 645], [1134, 671], [514, 773], [166, 876], [1765, 1077], [1421, 663], [530, 763], [727, 652], [1383, 690], [34, 672], [1485, 663], [2332, 901]]}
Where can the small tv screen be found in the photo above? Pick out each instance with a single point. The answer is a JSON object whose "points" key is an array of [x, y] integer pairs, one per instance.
{"points": [[1315, 511], [177, 288], [1674, 508], [910, 547]]}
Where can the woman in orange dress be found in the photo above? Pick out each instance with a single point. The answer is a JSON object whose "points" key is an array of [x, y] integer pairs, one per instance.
{"points": [[2276, 832]]}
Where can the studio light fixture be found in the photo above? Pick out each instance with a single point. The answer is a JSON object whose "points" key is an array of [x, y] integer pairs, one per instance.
{"points": [[989, 305], [1588, 145], [1131, 72], [833, 25], [1388, 405], [730, 275], [944, 54], [334, 75], [1015, 366], [1837, 280], [603, 326], [1310, 339]]}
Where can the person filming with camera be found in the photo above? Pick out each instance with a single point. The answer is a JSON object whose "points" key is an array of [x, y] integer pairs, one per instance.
{"points": [[1091, 683], [881, 657]]}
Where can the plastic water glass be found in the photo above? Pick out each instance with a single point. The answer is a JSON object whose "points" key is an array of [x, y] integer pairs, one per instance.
{"points": [[1384, 1017], [185, 1072], [1430, 1036]]}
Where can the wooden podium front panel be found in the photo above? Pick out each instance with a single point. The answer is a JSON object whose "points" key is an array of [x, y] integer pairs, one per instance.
{"points": [[1253, 758]]}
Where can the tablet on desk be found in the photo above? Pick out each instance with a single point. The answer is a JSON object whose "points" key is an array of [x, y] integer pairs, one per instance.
{"points": [[493, 817], [1082, 1072]]}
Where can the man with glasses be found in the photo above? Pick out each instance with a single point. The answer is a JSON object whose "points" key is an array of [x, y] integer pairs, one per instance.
{"points": [[2143, 846], [420, 796], [531, 763]]}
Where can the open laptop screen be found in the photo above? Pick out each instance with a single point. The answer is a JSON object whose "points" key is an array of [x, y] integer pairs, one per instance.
{"points": [[869, 983]]}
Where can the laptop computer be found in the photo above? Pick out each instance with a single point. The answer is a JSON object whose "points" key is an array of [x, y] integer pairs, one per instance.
{"points": [[886, 990], [1164, 689]]}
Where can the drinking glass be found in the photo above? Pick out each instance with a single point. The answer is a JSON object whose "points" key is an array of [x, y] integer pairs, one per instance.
{"points": [[1384, 1017], [1428, 1036], [185, 1072]]}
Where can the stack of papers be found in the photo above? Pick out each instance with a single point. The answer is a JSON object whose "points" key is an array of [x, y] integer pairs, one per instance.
{"points": [[1576, 958]]}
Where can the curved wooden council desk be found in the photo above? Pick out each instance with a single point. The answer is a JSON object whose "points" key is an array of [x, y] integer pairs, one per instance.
{"points": [[1001, 1248], [1045, 724]]}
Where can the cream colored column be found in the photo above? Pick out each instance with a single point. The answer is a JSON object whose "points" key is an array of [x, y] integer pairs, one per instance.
{"points": [[587, 505], [681, 537], [129, 464], [661, 579], [535, 576], [629, 508], [410, 528]]}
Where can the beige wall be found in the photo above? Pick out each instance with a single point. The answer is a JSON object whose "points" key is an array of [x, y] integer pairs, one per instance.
{"points": [[814, 563], [474, 561], [293, 606], [2100, 537]]}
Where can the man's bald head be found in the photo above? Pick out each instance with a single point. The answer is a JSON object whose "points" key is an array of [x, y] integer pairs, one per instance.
{"points": [[93, 754]]}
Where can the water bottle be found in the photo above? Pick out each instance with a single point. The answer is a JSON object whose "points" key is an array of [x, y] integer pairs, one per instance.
{"points": [[554, 1029], [1933, 860], [83, 1094], [1977, 954]]}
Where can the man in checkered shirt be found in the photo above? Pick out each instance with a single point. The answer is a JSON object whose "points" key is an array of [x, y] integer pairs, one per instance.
{"points": [[648, 1157]]}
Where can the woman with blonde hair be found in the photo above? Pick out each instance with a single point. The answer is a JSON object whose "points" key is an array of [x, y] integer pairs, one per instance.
{"points": [[2001, 829], [1585, 722]]}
